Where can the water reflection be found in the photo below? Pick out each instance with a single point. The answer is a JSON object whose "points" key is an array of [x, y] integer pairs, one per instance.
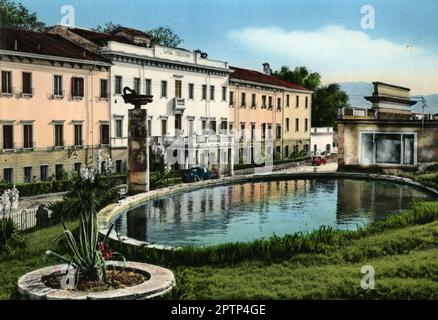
{"points": [[254, 210]]}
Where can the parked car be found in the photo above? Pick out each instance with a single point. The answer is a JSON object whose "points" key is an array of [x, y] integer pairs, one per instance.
{"points": [[198, 174], [319, 160]]}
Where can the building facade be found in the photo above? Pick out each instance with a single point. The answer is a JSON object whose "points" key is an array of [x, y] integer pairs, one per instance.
{"points": [[322, 140], [388, 135], [268, 114], [189, 112], [54, 106]]}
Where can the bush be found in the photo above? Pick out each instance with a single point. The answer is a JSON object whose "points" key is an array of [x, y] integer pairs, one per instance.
{"points": [[10, 237], [44, 187]]}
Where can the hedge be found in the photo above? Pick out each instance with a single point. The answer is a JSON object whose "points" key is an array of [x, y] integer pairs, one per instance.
{"points": [[42, 187]]}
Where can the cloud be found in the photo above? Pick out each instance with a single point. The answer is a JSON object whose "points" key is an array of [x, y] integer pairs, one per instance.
{"points": [[341, 55]]}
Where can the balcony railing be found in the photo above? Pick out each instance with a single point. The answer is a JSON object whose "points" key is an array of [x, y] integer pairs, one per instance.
{"points": [[9, 92], [179, 104], [27, 93], [58, 94]]}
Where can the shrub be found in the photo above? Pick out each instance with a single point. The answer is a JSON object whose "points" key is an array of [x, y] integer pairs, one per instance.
{"points": [[10, 236]]}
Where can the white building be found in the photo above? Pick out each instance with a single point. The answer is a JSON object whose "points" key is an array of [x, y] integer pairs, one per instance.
{"points": [[189, 112], [322, 140]]}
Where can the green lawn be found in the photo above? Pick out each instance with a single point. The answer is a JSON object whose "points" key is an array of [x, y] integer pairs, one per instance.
{"points": [[28, 259], [403, 250]]}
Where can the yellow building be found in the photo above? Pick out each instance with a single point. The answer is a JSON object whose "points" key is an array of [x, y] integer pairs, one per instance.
{"points": [[267, 110]]}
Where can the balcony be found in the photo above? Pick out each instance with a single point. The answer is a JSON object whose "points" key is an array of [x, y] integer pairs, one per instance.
{"points": [[179, 105]]}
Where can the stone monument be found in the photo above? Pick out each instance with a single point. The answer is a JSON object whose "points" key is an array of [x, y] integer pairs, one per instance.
{"points": [[138, 142]]}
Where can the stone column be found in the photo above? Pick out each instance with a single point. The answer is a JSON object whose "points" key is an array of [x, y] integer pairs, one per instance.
{"points": [[138, 151]]}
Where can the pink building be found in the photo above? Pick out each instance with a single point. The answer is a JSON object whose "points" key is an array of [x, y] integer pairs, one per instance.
{"points": [[54, 108]]}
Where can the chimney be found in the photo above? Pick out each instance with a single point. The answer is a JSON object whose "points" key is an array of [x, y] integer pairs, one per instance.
{"points": [[266, 69]]}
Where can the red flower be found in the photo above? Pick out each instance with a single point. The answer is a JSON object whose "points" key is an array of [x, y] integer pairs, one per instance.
{"points": [[105, 250]]}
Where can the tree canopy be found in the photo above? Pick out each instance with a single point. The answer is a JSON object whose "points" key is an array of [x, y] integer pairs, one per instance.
{"points": [[15, 15], [326, 99]]}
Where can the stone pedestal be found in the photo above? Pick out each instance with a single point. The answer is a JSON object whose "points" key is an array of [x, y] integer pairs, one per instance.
{"points": [[138, 151]]}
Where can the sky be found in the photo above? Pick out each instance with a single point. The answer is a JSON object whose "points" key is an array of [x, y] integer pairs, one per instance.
{"points": [[393, 41]]}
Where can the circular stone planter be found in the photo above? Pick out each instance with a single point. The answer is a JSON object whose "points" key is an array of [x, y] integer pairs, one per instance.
{"points": [[160, 281]]}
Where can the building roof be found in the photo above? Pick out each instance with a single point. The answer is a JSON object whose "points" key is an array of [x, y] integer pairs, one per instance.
{"points": [[97, 37], [44, 44], [132, 31], [256, 76]]}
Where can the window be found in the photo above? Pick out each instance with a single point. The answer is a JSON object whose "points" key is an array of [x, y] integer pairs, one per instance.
{"points": [[224, 93], [212, 92], [253, 100], [77, 87], [231, 98], [119, 166], [306, 104], [118, 85], [104, 134], [149, 127], [7, 82], [163, 89], [119, 128], [44, 172], [8, 175], [191, 127], [27, 174], [57, 86], [224, 127], [191, 91], [306, 125], [59, 135], [270, 103], [163, 127], [137, 85], [297, 124], [27, 83], [204, 92], [297, 104], [270, 131], [263, 102], [278, 104], [213, 126], [148, 87], [8, 136], [78, 135], [243, 99], [103, 89], [287, 100], [59, 171], [178, 85], [28, 136], [287, 124], [77, 167], [178, 123], [388, 148], [278, 133], [242, 130]]}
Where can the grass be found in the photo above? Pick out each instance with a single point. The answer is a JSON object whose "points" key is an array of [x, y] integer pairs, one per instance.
{"points": [[324, 264], [27, 259]]}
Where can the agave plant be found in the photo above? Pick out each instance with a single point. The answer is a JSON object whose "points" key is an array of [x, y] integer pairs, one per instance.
{"points": [[85, 250]]}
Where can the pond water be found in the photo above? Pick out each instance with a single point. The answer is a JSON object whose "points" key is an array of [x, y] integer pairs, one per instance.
{"points": [[244, 212]]}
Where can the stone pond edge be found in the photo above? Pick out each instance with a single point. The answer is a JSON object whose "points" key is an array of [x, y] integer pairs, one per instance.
{"points": [[107, 214]]}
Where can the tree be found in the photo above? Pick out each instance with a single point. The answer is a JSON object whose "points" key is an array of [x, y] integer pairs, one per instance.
{"points": [[165, 36], [326, 99], [300, 76], [15, 15], [107, 27], [326, 102]]}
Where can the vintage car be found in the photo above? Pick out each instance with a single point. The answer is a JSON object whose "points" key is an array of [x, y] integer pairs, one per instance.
{"points": [[198, 174]]}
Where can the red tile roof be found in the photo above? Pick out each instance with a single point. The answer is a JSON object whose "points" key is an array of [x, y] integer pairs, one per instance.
{"points": [[255, 76], [132, 31], [44, 44], [98, 37]]}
